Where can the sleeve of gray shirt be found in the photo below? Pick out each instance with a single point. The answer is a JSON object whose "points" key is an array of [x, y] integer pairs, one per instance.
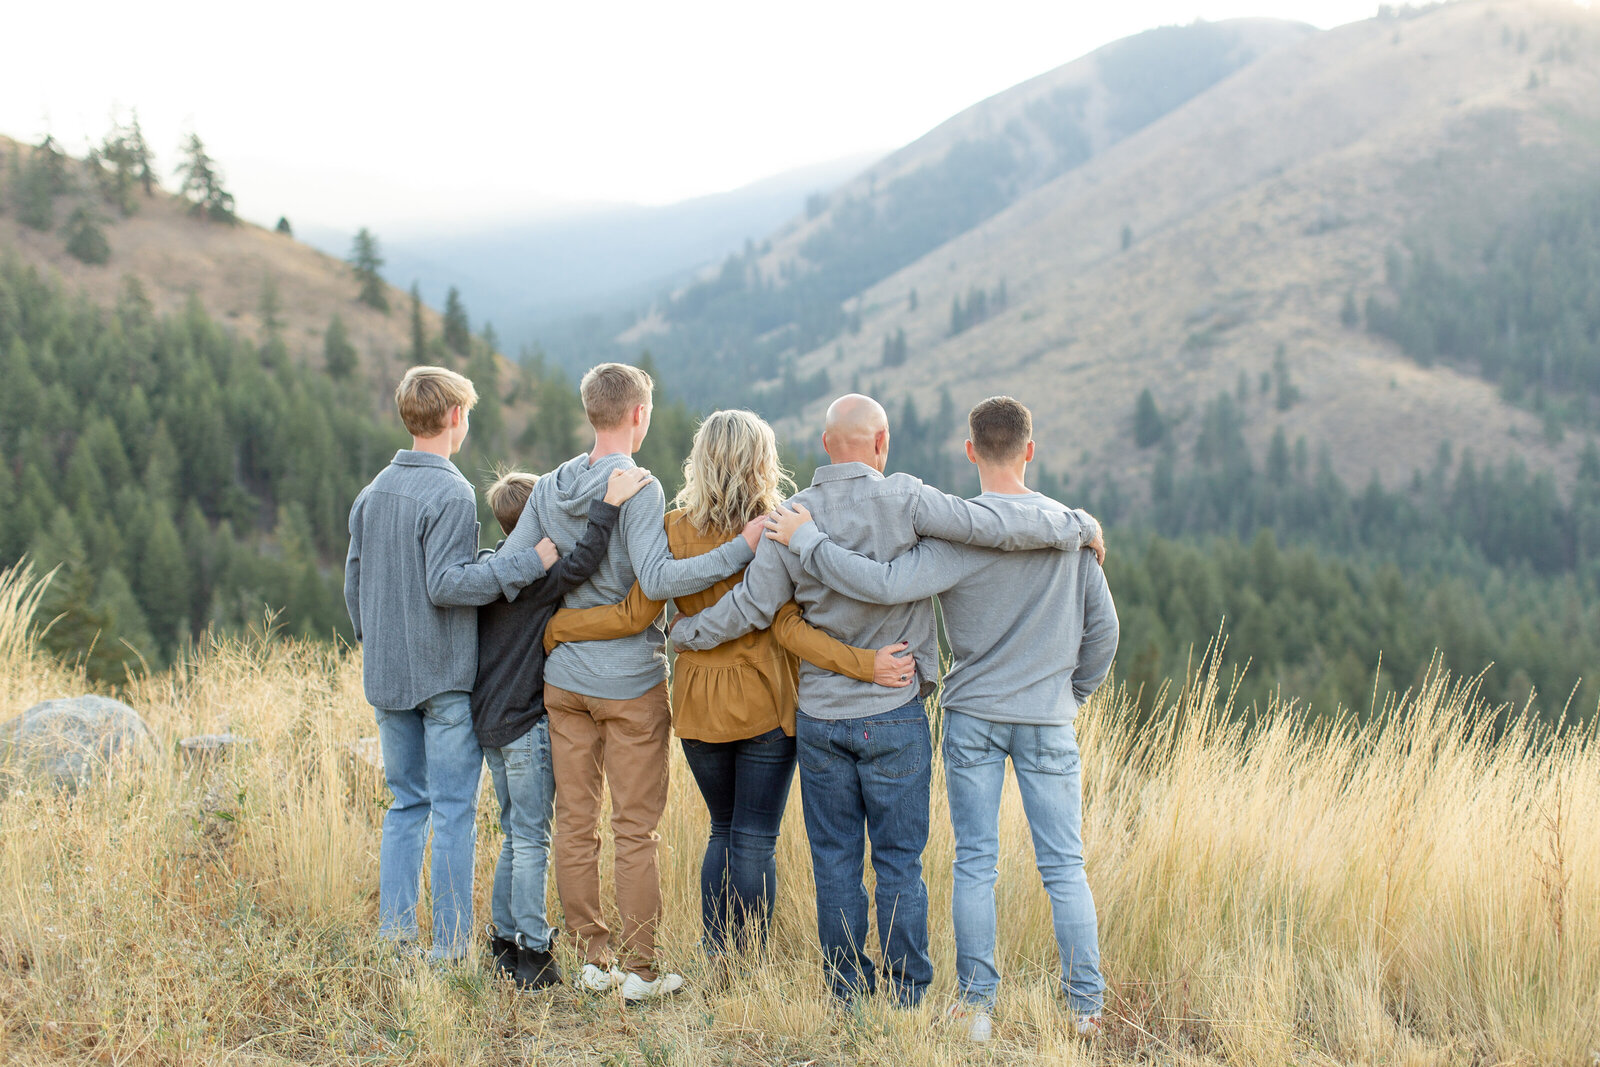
{"points": [[928, 569], [1100, 632], [450, 555], [352, 567], [750, 605], [661, 577], [976, 522]]}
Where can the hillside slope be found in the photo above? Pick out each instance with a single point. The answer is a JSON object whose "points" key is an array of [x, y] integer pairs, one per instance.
{"points": [[227, 268], [793, 291], [1253, 211]]}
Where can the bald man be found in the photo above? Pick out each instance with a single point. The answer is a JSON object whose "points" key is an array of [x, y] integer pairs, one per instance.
{"points": [[865, 753]]}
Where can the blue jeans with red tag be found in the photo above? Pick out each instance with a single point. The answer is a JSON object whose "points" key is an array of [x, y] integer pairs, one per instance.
{"points": [[858, 778]]}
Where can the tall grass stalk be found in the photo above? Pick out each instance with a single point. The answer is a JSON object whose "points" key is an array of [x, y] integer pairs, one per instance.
{"points": [[1412, 890]]}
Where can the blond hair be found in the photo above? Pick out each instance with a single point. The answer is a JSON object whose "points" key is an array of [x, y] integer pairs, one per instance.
{"points": [[508, 495], [611, 391], [732, 473], [426, 395]]}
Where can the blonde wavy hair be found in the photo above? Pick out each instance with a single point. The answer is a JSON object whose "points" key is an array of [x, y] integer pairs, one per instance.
{"points": [[732, 473]]}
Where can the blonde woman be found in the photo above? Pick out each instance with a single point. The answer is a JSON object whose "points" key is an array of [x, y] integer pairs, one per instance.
{"points": [[733, 706]]}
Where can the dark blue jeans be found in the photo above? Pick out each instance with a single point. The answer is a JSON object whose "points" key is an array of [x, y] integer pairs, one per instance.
{"points": [[859, 777], [746, 787]]}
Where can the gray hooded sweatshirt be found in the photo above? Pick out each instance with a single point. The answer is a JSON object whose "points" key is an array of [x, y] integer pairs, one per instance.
{"points": [[558, 508]]}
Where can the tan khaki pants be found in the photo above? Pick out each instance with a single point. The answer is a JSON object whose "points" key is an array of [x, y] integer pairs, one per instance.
{"points": [[623, 742]]}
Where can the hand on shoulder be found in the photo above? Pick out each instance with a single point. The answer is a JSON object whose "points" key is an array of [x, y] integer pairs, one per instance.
{"points": [[624, 483], [782, 523]]}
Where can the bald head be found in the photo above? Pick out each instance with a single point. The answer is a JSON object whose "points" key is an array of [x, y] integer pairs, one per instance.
{"points": [[856, 431]]}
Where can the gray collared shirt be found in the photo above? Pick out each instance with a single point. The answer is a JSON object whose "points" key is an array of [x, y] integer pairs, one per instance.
{"points": [[413, 580], [880, 517], [1033, 634]]}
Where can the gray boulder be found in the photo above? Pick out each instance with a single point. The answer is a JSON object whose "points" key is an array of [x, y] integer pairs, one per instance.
{"points": [[64, 743]]}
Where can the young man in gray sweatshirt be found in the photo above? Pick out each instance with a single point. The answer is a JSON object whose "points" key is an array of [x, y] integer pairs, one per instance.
{"points": [[865, 754], [1033, 634], [607, 700]]}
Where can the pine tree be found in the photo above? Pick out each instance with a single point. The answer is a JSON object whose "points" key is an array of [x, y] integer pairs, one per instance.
{"points": [[419, 334], [338, 353], [140, 159], [367, 264], [86, 241], [457, 330], [114, 166], [1148, 425], [283, 226], [202, 184], [35, 196], [162, 577]]}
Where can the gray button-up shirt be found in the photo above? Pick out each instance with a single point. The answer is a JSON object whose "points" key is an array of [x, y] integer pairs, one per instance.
{"points": [[880, 517], [413, 581]]}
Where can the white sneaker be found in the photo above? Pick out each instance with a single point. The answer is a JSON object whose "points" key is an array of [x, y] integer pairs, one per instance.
{"points": [[594, 980], [980, 1027], [1088, 1026], [635, 988]]}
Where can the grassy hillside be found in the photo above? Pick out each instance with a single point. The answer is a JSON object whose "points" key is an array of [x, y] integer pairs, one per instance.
{"points": [[1252, 214], [1403, 894], [794, 291], [1220, 248]]}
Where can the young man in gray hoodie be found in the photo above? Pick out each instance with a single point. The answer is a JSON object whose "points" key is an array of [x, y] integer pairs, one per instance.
{"points": [[865, 754], [1033, 635], [607, 700]]}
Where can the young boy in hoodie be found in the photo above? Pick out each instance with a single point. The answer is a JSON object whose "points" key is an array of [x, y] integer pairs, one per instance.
{"points": [[508, 715], [607, 700], [413, 582]]}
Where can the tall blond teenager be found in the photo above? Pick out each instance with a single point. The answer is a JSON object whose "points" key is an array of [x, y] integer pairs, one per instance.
{"points": [[412, 584], [733, 706], [607, 700]]}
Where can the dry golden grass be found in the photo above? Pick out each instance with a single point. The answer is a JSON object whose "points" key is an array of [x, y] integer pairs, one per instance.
{"points": [[1418, 894]]}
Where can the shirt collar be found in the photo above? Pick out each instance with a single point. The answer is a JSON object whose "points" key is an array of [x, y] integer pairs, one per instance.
{"points": [[411, 457], [838, 472]]}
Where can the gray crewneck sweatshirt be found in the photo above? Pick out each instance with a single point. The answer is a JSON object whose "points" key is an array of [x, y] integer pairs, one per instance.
{"points": [[1033, 633], [558, 508]]}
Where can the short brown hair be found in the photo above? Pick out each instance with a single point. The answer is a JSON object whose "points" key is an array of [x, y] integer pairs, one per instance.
{"points": [[612, 390], [1001, 428], [509, 495], [426, 395]]}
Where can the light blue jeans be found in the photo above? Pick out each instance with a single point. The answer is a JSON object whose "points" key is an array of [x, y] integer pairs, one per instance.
{"points": [[432, 763], [1049, 774], [526, 786]]}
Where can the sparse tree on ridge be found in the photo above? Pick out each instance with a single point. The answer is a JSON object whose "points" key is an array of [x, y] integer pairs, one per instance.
{"points": [[1148, 425], [140, 157], [283, 226], [457, 330], [367, 264], [202, 184], [419, 333], [86, 241], [337, 351]]}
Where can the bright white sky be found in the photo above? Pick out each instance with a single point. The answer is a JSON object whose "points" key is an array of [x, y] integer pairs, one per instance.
{"points": [[403, 116]]}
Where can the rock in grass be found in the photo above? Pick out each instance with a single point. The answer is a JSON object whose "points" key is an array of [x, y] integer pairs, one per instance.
{"points": [[64, 743]]}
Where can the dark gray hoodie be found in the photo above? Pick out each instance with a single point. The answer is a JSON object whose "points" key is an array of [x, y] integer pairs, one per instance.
{"points": [[558, 508]]}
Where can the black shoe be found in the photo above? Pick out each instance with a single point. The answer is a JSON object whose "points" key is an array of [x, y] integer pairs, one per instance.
{"points": [[504, 951], [536, 969]]}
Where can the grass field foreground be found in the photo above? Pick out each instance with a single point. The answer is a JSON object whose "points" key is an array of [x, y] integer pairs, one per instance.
{"points": [[1415, 893]]}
